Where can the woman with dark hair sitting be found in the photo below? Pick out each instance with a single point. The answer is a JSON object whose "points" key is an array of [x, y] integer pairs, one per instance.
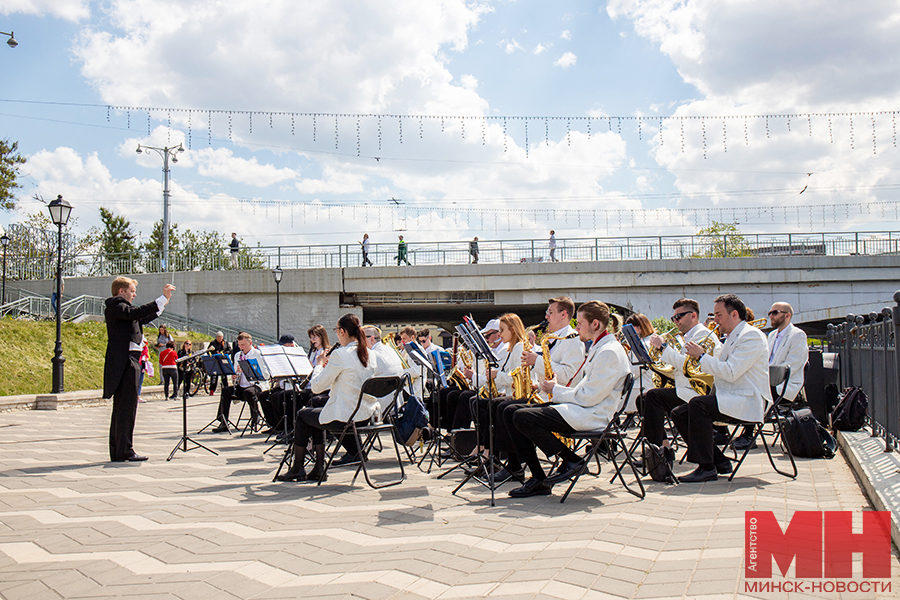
{"points": [[344, 371]]}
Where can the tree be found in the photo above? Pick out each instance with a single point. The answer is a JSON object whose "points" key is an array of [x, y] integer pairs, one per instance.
{"points": [[32, 248], [10, 160], [201, 250], [117, 246], [153, 248], [721, 240]]}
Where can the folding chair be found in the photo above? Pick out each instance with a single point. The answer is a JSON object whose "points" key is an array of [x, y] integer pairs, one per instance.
{"points": [[614, 437], [778, 375], [376, 387]]}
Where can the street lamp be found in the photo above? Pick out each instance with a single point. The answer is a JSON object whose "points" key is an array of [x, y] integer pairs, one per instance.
{"points": [[11, 42], [165, 152], [4, 239], [59, 214], [278, 274]]}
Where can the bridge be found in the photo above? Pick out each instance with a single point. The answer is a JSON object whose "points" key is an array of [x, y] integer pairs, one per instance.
{"points": [[821, 289]]}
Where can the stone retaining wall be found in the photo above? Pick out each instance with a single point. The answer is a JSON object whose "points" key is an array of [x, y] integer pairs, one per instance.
{"points": [[77, 399]]}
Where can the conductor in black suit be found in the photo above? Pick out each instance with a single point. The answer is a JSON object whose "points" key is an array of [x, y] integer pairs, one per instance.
{"points": [[122, 369]]}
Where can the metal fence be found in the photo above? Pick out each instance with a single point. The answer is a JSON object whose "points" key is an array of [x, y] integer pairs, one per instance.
{"points": [[457, 253], [869, 359]]}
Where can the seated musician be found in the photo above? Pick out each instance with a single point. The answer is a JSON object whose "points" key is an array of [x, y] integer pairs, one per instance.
{"points": [[787, 347], [659, 402], [407, 335], [586, 405], [462, 415], [566, 350], [389, 363], [242, 388], [512, 332], [318, 343], [741, 371], [343, 372], [440, 361], [277, 403]]}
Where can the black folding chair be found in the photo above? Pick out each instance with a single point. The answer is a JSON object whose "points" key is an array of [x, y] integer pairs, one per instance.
{"points": [[613, 437], [376, 387], [779, 375]]}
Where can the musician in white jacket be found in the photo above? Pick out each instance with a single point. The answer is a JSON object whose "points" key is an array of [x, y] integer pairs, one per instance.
{"points": [[586, 405], [343, 372], [741, 372]]}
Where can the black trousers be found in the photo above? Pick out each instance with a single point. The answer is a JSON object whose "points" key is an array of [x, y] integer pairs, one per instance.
{"points": [[657, 404], [170, 374], [502, 439], [250, 395], [124, 410], [533, 425], [462, 418], [694, 422], [186, 378], [307, 425]]}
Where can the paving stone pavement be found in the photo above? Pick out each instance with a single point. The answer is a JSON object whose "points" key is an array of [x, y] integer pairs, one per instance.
{"points": [[73, 525]]}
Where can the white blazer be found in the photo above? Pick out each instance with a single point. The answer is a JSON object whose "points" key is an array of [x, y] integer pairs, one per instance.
{"points": [[792, 351], [388, 365], [565, 357], [508, 364], [344, 375], [673, 357], [741, 369], [589, 404], [242, 379]]}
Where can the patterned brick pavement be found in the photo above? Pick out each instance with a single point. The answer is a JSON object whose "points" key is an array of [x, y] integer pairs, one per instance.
{"points": [[212, 527]]}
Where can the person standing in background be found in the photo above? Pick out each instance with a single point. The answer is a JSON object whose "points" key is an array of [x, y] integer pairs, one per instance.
{"points": [[365, 250], [553, 246], [235, 246], [473, 250]]}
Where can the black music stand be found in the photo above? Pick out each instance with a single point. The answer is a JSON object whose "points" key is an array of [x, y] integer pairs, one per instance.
{"points": [[482, 351], [218, 364], [286, 363], [418, 355], [183, 442]]}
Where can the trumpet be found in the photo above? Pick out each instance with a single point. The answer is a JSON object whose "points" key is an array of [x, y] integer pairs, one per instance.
{"points": [[759, 323]]}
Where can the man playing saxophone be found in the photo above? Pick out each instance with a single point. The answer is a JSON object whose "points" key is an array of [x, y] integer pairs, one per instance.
{"points": [[660, 401], [566, 350]]}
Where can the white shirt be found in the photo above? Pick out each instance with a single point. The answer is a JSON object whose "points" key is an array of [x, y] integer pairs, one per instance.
{"points": [[566, 356], [160, 304], [513, 360], [242, 379], [789, 347], [741, 373], [673, 357], [344, 375]]}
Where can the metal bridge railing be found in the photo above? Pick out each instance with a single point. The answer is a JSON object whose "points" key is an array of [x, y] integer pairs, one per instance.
{"points": [[490, 252], [869, 359]]}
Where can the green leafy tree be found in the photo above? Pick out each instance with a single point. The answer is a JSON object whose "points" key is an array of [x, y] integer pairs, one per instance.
{"points": [[662, 325], [153, 248], [721, 240], [200, 250], [116, 243], [10, 159]]}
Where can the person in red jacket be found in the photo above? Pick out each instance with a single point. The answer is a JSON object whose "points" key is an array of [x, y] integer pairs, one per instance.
{"points": [[169, 370]]}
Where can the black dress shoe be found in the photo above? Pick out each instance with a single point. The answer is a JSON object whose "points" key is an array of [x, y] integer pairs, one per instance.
{"points": [[720, 438], [744, 442], [699, 475], [221, 428], [504, 475], [292, 476], [136, 458], [347, 459], [724, 468], [566, 470], [532, 487]]}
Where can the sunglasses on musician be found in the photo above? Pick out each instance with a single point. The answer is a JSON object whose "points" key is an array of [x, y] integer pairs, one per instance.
{"points": [[678, 316]]}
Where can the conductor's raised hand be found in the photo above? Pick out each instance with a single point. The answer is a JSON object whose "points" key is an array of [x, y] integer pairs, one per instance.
{"points": [[167, 291]]}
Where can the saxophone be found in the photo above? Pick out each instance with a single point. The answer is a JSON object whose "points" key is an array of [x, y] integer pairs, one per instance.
{"points": [[388, 340], [456, 376], [521, 380], [545, 349]]}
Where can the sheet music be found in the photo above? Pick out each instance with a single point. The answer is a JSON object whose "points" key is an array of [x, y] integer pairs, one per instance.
{"points": [[286, 361]]}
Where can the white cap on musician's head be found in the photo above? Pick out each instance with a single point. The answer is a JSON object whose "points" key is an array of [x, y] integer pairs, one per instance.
{"points": [[492, 325]]}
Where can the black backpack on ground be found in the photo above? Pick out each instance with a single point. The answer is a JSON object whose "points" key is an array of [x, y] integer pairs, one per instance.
{"points": [[805, 437], [850, 412]]}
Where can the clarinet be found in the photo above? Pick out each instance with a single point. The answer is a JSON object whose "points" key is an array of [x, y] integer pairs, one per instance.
{"points": [[332, 349]]}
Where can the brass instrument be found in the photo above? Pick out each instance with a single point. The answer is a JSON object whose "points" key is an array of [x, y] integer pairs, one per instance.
{"points": [[388, 340], [456, 376], [700, 381], [545, 349], [663, 374], [759, 323]]}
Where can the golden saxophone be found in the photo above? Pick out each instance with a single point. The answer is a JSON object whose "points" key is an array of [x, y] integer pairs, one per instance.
{"points": [[700, 381], [521, 379], [456, 376], [545, 349]]}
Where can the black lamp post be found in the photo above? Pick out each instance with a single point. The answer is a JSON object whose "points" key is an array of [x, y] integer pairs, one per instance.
{"points": [[278, 274], [4, 239], [59, 213]]}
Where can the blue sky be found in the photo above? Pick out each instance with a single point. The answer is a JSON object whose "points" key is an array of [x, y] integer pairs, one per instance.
{"points": [[622, 58]]}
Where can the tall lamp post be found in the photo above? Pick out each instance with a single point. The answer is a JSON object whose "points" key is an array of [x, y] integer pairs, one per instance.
{"points": [[11, 42], [59, 213], [278, 274], [165, 152], [4, 239]]}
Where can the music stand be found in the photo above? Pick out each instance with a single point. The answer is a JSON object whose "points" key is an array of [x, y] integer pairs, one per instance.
{"points": [[183, 442], [418, 355], [482, 350], [218, 364], [286, 363]]}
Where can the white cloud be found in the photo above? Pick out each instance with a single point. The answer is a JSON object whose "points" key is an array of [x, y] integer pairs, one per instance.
{"points": [[221, 163], [566, 60], [566, 35], [333, 181], [511, 46], [540, 48], [469, 82], [70, 10], [347, 55]]}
